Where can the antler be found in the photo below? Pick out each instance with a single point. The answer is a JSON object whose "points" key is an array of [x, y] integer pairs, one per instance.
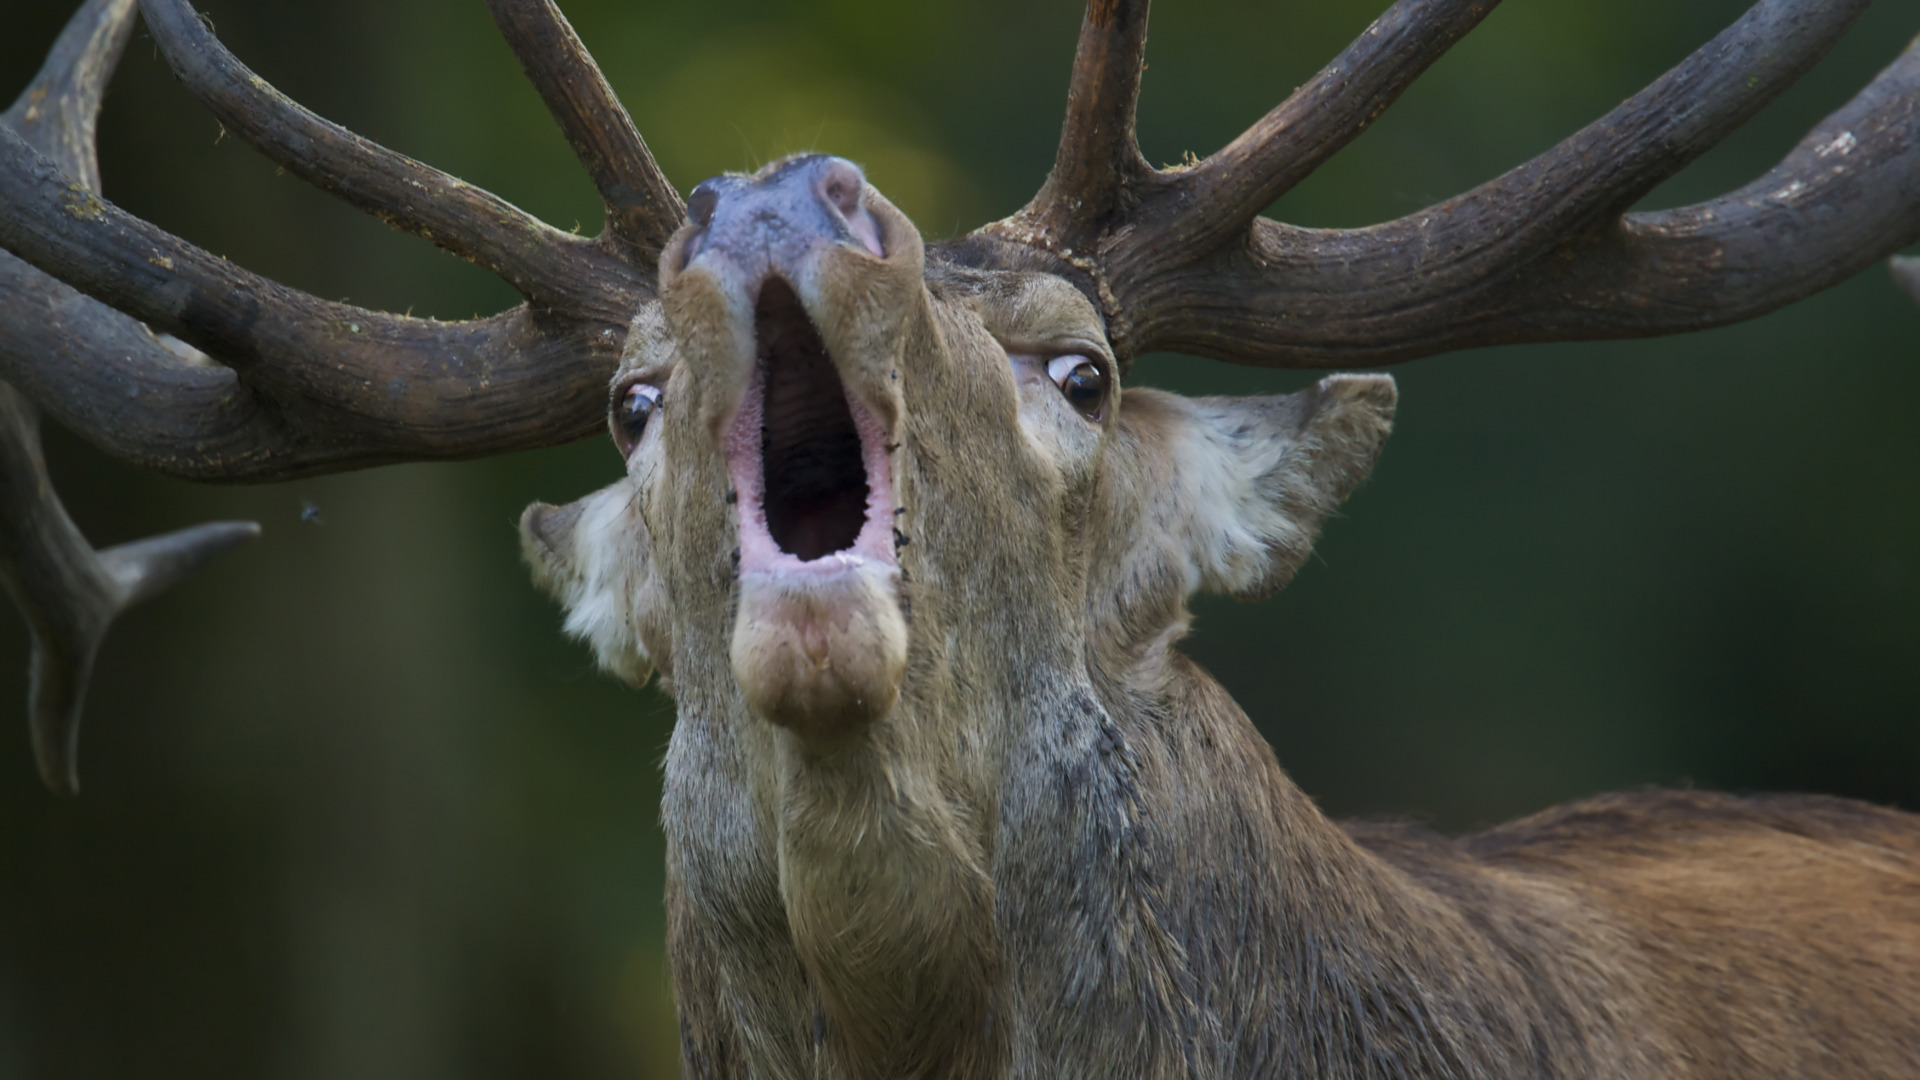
{"points": [[248, 379], [1181, 260], [304, 385], [69, 593]]}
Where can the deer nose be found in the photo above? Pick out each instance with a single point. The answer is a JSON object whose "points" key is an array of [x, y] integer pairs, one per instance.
{"points": [[783, 210], [840, 184]]}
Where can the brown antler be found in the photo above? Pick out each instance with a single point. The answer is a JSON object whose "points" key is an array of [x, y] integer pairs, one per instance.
{"points": [[68, 593], [1181, 260], [249, 379], [643, 209], [307, 385]]}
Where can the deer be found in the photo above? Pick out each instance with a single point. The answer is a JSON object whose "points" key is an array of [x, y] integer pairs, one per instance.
{"points": [[943, 797]]}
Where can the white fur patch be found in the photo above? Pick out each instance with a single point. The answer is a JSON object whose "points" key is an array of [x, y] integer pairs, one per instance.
{"points": [[1234, 525], [602, 573], [1254, 479]]}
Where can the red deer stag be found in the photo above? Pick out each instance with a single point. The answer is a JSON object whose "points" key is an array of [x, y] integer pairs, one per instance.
{"points": [[943, 798]]}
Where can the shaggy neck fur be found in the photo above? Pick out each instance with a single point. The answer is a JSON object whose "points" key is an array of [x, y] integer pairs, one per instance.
{"points": [[1114, 910], [1203, 918], [1157, 900]]}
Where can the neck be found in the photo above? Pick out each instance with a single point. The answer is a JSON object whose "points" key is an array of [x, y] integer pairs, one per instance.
{"points": [[884, 877], [1144, 887], [1218, 917]]}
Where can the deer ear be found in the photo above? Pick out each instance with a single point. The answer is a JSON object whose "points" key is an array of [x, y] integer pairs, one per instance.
{"points": [[1248, 482], [595, 557]]}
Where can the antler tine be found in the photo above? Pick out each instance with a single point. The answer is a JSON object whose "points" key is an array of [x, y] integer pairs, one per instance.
{"points": [[58, 111], [643, 209], [1098, 153], [544, 264], [68, 593], [1906, 271], [1237, 182]]}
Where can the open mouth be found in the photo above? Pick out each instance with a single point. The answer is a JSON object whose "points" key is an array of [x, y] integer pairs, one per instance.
{"points": [[808, 459], [816, 490]]}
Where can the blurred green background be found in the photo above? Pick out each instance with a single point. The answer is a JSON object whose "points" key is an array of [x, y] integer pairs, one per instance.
{"points": [[353, 808]]}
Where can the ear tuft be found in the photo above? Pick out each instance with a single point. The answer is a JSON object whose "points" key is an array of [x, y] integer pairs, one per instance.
{"points": [[1348, 422], [546, 541], [592, 556], [1371, 399]]}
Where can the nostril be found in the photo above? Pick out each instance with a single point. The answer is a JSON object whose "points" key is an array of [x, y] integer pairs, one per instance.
{"points": [[840, 185], [701, 204]]}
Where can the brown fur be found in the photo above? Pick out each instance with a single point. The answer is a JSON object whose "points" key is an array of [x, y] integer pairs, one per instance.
{"points": [[1064, 851]]}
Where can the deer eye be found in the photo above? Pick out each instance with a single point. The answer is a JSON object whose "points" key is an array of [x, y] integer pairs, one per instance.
{"points": [[1082, 381], [632, 406]]}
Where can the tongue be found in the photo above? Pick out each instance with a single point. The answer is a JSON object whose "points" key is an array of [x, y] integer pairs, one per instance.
{"points": [[815, 491]]}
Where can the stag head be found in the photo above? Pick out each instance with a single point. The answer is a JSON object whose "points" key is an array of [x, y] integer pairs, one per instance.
{"points": [[845, 453], [847, 456]]}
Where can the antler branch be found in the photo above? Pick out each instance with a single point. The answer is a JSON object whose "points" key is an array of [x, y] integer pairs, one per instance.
{"points": [[105, 375], [545, 265], [361, 387], [68, 593], [643, 209], [1545, 252], [1474, 271], [267, 381], [1098, 153], [1228, 189], [306, 385]]}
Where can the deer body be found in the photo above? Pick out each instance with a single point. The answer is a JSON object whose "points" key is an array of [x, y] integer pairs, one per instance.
{"points": [[943, 799], [1056, 848]]}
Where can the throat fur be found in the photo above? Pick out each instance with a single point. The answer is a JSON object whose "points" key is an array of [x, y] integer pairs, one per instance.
{"points": [[891, 911]]}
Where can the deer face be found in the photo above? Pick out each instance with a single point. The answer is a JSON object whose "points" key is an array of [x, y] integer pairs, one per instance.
{"points": [[861, 478]]}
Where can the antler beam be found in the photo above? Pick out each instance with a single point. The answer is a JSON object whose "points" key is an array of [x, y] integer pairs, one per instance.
{"points": [[1180, 259], [68, 593], [1545, 254], [298, 385], [1235, 184]]}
